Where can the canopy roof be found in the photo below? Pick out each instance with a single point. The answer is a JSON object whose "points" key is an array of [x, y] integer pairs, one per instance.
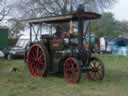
{"points": [[65, 18]]}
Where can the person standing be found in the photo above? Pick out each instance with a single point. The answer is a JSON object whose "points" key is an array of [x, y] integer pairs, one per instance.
{"points": [[102, 44]]}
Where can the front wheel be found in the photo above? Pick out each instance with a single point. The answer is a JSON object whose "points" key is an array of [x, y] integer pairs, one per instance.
{"points": [[96, 69], [72, 72]]}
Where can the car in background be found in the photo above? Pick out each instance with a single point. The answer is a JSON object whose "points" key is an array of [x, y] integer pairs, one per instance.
{"points": [[117, 46], [1, 54], [18, 51], [120, 46]]}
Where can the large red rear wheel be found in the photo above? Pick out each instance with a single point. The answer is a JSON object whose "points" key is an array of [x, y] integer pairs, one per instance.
{"points": [[96, 69], [37, 60], [72, 70]]}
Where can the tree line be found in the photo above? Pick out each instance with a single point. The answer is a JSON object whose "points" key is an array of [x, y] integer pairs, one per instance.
{"points": [[24, 9], [109, 26]]}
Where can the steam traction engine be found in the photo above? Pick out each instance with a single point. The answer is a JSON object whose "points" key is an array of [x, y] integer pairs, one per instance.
{"points": [[63, 51]]}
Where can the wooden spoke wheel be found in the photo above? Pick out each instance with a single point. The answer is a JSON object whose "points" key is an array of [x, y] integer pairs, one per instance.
{"points": [[96, 69], [72, 70], [37, 60]]}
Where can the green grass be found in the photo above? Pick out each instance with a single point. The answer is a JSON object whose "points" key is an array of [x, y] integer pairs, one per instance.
{"points": [[21, 83]]}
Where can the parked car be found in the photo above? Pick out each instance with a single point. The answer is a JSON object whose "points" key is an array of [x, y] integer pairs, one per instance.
{"points": [[120, 46], [1, 54], [18, 51], [117, 46]]}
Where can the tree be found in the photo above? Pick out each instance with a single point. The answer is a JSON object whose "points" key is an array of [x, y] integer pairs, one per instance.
{"points": [[15, 28], [106, 26], [23, 9], [38, 8], [124, 26], [4, 10], [109, 26]]}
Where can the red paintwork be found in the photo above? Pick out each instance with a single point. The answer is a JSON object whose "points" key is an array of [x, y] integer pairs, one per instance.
{"points": [[55, 45], [56, 39], [86, 45], [37, 60], [71, 71]]}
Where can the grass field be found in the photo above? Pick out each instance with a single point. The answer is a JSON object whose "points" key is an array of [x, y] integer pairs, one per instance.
{"points": [[21, 83]]}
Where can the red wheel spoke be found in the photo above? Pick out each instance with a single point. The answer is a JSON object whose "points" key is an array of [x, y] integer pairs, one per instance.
{"points": [[37, 52], [40, 56], [32, 58], [33, 55]]}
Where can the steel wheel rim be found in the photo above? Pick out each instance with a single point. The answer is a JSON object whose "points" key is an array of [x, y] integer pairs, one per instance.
{"points": [[97, 70], [37, 60], [71, 71]]}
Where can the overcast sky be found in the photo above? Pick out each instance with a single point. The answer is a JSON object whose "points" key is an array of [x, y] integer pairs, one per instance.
{"points": [[120, 10]]}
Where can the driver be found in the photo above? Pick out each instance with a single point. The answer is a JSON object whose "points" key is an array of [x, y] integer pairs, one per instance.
{"points": [[59, 32]]}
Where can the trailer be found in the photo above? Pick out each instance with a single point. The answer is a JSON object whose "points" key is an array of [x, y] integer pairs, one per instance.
{"points": [[3, 38]]}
